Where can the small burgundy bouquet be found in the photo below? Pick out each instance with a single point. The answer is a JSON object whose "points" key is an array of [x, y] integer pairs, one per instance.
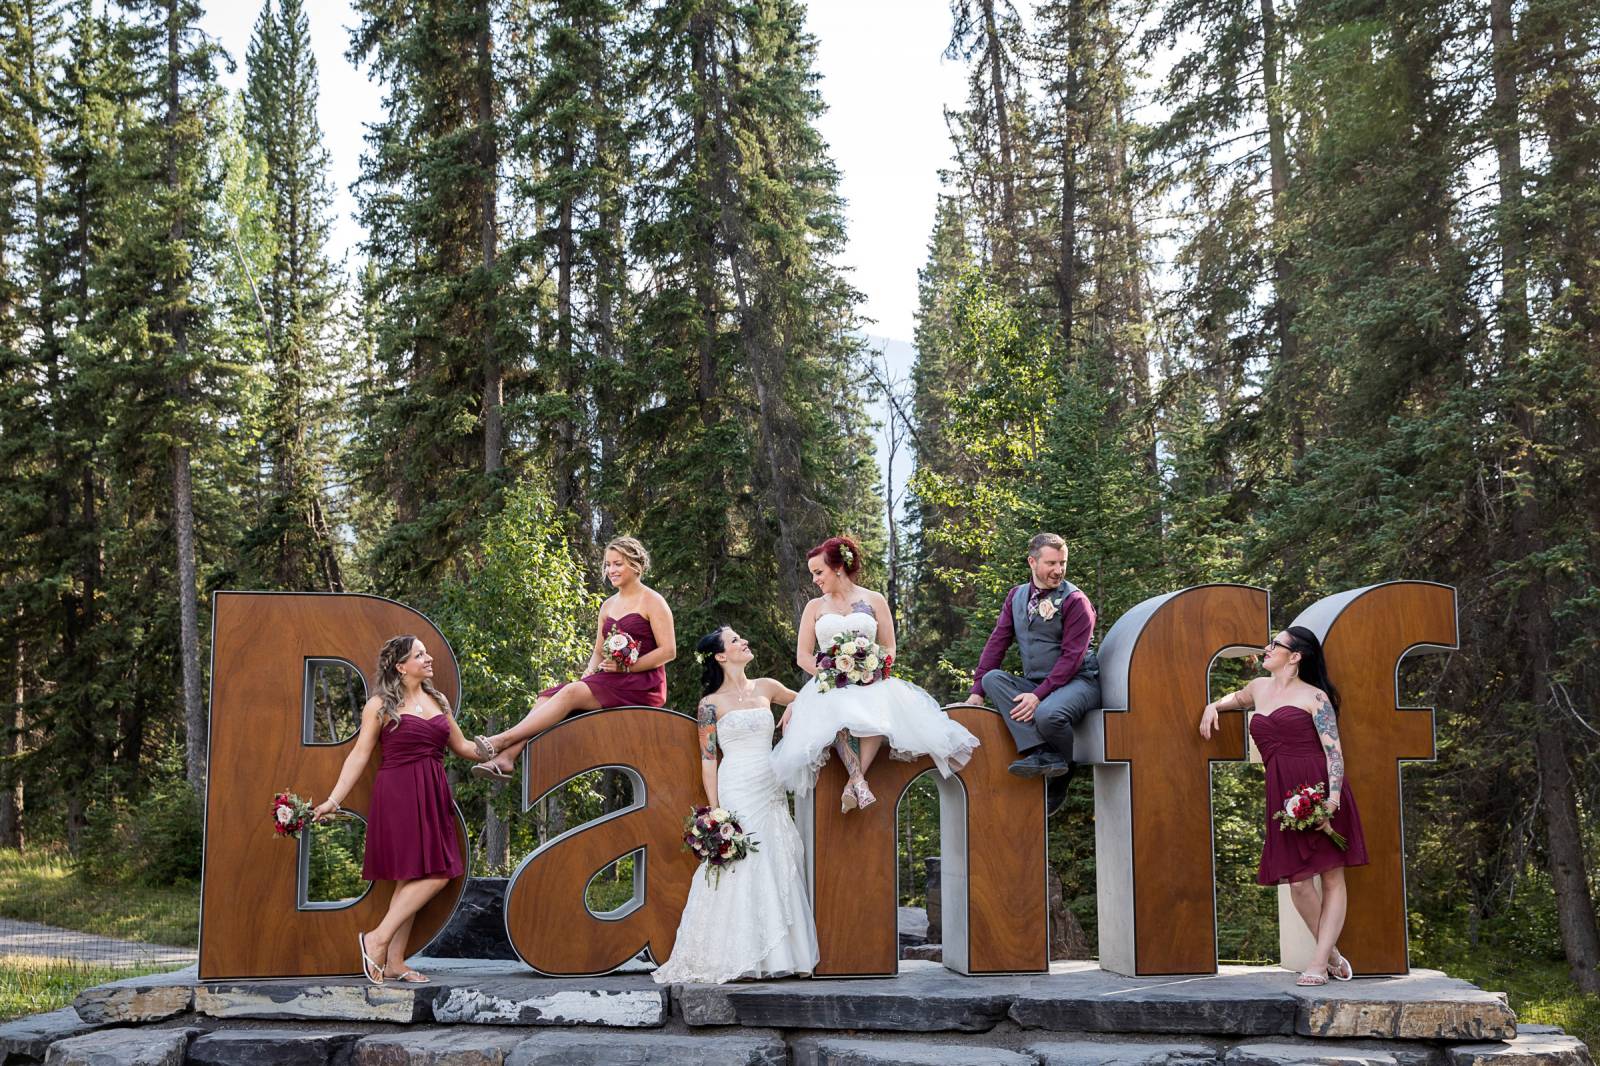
{"points": [[713, 834], [290, 814], [622, 647], [1307, 808]]}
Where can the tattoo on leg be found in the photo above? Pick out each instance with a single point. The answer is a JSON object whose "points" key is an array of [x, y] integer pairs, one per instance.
{"points": [[841, 744]]}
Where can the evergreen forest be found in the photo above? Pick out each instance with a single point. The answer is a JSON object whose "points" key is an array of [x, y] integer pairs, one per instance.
{"points": [[1298, 293]]}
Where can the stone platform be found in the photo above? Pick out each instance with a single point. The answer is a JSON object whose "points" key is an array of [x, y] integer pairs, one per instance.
{"points": [[495, 1013]]}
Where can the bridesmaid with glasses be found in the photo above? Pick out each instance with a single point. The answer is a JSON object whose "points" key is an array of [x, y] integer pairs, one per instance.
{"points": [[1298, 734]]}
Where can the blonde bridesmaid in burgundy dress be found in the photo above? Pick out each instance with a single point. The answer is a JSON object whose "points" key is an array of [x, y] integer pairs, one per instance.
{"points": [[636, 610], [412, 837], [1297, 731]]}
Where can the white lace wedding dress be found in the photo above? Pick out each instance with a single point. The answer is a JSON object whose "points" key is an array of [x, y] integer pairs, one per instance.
{"points": [[756, 920], [911, 720]]}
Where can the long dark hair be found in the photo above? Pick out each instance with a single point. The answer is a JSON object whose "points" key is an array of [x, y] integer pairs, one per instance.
{"points": [[1313, 667], [706, 650]]}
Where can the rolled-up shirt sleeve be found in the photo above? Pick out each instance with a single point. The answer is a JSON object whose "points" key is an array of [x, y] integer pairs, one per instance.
{"points": [[994, 649], [1077, 630]]}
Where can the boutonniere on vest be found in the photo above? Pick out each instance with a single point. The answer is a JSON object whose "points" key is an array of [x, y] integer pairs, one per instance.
{"points": [[1047, 609]]}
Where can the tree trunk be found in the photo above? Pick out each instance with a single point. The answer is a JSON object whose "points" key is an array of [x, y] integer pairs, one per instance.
{"points": [[1067, 265], [1580, 938], [194, 716], [1568, 870], [1283, 306], [488, 162], [1004, 247], [10, 773], [1067, 938]]}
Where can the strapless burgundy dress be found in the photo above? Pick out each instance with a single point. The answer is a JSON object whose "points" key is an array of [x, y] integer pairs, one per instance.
{"points": [[647, 688], [411, 824], [1293, 753]]}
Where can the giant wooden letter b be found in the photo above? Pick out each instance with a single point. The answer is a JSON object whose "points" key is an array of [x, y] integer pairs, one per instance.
{"points": [[252, 924]]}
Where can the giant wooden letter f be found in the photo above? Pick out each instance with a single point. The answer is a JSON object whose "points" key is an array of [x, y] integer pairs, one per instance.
{"points": [[1152, 791]]}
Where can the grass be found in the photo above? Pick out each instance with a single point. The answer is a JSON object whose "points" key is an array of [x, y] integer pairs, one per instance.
{"points": [[1539, 990], [40, 886], [32, 985]]}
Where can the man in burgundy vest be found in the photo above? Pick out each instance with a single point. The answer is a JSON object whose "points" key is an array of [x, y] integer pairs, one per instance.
{"points": [[1052, 624]]}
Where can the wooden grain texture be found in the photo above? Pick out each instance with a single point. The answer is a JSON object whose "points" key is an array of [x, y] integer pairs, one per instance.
{"points": [[1363, 646], [250, 925], [855, 872], [1174, 876], [546, 916]]}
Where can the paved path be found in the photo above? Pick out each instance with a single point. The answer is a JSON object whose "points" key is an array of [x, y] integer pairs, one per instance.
{"points": [[30, 938]]}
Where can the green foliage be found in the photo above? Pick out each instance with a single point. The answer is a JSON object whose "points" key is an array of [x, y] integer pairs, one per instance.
{"points": [[520, 618], [46, 886], [33, 985], [152, 838]]}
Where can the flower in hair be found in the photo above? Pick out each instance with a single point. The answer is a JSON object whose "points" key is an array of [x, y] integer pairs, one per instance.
{"points": [[700, 657], [846, 554]]}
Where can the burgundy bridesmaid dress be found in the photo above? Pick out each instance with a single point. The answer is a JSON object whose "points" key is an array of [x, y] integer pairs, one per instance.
{"points": [[411, 824], [647, 688], [1293, 753]]}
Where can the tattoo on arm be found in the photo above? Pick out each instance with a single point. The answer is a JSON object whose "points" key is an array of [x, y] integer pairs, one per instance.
{"points": [[708, 731], [1328, 730]]}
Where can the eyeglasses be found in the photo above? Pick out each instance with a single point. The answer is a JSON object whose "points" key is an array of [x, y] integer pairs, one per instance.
{"points": [[1276, 643]]}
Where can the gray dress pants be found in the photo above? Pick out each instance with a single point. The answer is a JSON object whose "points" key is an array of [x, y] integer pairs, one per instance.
{"points": [[1057, 713]]}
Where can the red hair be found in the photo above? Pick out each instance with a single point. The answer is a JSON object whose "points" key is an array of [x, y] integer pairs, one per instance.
{"points": [[831, 553]]}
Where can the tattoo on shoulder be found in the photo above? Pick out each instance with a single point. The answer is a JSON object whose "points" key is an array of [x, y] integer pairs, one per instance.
{"points": [[708, 713]]}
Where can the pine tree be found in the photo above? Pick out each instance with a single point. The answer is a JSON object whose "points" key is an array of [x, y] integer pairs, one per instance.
{"points": [[750, 438], [153, 302], [434, 436], [293, 545]]}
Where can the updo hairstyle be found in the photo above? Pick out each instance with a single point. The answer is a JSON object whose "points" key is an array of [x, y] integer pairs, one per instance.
{"points": [[706, 650], [633, 553], [839, 553]]}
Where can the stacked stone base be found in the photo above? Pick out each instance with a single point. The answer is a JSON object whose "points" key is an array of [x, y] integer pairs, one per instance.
{"points": [[497, 1014]]}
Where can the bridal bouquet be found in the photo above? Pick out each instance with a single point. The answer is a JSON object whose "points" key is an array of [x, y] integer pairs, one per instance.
{"points": [[851, 659], [1306, 808], [290, 814], [622, 647], [715, 837]]}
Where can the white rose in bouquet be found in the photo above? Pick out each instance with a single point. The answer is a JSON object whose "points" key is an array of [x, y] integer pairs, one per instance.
{"points": [[870, 663], [285, 815], [844, 663], [719, 815]]}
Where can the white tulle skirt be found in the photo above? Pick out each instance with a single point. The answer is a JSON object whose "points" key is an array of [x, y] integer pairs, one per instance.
{"points": [[907, 716]]}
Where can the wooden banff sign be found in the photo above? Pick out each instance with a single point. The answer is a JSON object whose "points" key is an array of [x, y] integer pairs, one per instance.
{"points": [[1152, 781]]}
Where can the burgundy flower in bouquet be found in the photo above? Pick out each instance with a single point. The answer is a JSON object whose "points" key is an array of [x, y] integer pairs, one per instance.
{"points": [[1307, 808], [622, 647], [714, 836], [290, 814]]}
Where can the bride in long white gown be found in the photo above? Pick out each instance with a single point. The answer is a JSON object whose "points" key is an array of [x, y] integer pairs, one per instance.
{"points": [[755, 919], [886, 709]]}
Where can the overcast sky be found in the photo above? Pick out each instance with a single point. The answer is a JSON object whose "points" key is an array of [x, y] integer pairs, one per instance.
{"points": [[884, 81]]}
